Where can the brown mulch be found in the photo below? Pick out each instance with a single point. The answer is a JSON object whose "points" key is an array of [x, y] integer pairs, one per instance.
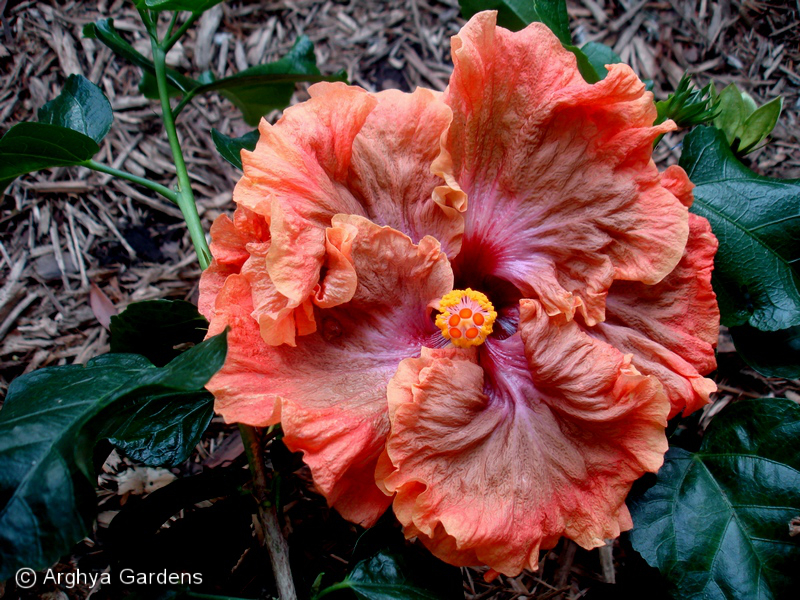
{"points": [[71, 239]]}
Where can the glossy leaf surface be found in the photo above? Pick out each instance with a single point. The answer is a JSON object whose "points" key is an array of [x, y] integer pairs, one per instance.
{"points": [[716, 523], [387, 568], [160, 429], [599, 55], [231, 148], [517, 14], [47, 436], [29, 147], [757, 222], [82, 107]]}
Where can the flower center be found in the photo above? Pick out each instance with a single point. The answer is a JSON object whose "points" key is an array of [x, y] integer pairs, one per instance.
{"points": [[465, 318]]}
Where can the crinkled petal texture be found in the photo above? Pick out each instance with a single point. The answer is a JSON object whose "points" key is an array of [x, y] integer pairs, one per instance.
{"points": [[671, 328], [541, 190], [563, 196], [344, 151], [329, 391], [495, 455]]}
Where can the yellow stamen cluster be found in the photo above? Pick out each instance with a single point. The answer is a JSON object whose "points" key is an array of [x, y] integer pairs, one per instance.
{"points": [[465, 318]]}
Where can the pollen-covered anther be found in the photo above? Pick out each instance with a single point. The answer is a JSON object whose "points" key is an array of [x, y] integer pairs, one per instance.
{"points": [[465, 318]]}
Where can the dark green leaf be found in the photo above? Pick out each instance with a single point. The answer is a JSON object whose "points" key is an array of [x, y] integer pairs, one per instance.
{"points": [[32, 146], [231, 148], [162, 429], [771, 353], [81, 106], [757, 221], [384, 577], [716, 523], [47, 435], [599, 55], [196, 6], [177, 322], [104, 31], [517, 14], [390, 569], [262, 88], [148, 87]]}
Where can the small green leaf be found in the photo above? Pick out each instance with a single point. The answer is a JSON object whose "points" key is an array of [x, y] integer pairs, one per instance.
{"points": [[771, 353], [757, 222], [716, 523], [81, 106], [748, 105], [30, 147], [48, 430], [196, 6], [731, 112], [177, 322], [599, 55], [159, 430], [759, 125], [104, 31], [518, 14], [231, 148], [262, 88]]}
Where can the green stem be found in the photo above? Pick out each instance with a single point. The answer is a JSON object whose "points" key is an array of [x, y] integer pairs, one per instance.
{"points": [[182, 104], [150, 185], [185, 196], [268, 514], [173, 39], [172, 22]]}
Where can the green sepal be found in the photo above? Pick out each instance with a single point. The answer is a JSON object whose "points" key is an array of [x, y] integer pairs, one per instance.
{"points": [[688, 106]]}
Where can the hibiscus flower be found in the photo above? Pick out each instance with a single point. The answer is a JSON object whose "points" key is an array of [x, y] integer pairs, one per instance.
{"points": [[480, 306]]}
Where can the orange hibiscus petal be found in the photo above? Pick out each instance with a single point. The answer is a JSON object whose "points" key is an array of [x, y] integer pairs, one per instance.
{"points": [[563, 194], [330, 390], [229, 239], [491, 461], [390, 171], [671, 328], [345, 151], [241, 387]]}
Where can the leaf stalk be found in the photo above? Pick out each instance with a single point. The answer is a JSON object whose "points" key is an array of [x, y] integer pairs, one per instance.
{"points": [[185, 196]]}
